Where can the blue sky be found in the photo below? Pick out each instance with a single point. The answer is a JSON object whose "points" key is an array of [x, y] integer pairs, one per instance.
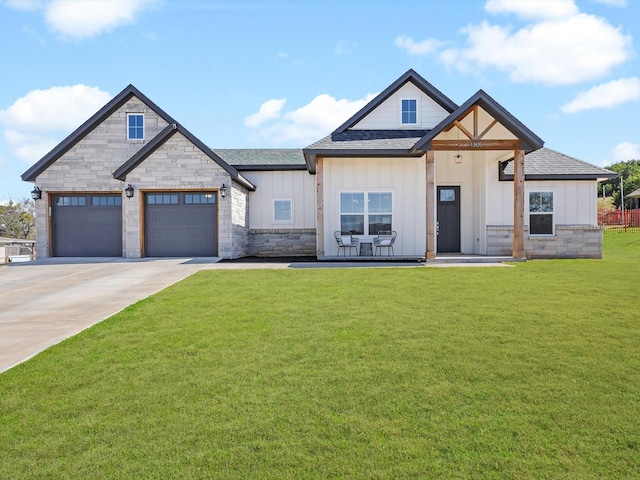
{"points": [[250, 73]]}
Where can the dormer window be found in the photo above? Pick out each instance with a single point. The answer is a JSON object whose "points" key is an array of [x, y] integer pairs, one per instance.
{"points": [[409, 111], [135, 126]]}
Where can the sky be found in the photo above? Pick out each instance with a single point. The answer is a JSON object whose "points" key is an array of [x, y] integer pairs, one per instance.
{"points": [[285, 73]]}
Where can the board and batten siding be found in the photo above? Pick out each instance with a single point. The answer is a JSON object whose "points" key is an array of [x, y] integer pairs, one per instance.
{"points": [[574, 201], [405, 178], [297, 186], [387, 115]]}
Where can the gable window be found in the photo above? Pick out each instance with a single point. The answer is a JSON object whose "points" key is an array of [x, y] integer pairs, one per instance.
{"points": [[541, 213], [282, 211], [409, 111], [135, 126], [358, 216]]}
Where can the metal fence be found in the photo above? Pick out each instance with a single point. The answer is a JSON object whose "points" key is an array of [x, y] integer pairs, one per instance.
{"points": [[615, 219]]}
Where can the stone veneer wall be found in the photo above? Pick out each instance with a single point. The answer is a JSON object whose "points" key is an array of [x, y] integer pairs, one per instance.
{"points": [[296, 242], [569, 241]]}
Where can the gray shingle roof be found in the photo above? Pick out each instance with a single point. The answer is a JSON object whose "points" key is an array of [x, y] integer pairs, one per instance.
{"points": [[245, 158], [548, 164], [353, 141], [635, 193]]}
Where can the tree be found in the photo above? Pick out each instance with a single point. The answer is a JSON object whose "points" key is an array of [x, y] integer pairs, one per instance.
{"points": [[630, 171], [18, 220]]}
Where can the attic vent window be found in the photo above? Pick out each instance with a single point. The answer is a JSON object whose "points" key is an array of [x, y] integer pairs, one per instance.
{"points": [[409, 111], [135, 126]]}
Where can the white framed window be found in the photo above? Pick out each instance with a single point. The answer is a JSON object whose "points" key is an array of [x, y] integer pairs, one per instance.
{"points": [[282, 210], [409, 111], [541, 211], [366, 212], [135, 126]]}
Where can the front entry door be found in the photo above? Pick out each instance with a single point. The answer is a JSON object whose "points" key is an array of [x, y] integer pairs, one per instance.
{"points": [[448, 219]]}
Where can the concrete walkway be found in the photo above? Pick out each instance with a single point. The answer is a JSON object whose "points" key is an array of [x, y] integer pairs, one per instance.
{"points": [[45, 301]]}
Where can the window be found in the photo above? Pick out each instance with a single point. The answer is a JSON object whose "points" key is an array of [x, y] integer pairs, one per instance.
{"points": [[162, 199], [541, 213], [106, 201], [282, 210], [135, 126], [71, 202], [409, 111], [372, 216], [197, 198]]}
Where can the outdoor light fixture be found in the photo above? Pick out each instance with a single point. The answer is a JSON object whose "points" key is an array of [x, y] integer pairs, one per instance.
{"points": [[457, 158], [36, 193], [223, 191], [128, 191]]}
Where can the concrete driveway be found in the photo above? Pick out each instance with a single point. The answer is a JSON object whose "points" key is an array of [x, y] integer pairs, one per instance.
{"points": [[45, 301]]}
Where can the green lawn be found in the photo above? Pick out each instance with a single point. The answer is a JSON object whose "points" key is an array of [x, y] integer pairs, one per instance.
{"points": [[527, 372]]}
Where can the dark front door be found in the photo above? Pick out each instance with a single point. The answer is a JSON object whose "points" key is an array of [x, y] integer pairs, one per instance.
{"points": [[448, 219], [86, 225], [181, 224]]}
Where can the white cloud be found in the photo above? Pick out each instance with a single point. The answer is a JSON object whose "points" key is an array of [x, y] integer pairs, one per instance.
{"points": [[625, 151], [311, 122], [425, 47], [36, 122], [560, 51], [533, 9], [75, 19], [607, 95], [269, 110]]}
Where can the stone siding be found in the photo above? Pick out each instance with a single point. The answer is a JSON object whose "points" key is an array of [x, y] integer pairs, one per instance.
{"points": [[295, 242], [569, 241]]}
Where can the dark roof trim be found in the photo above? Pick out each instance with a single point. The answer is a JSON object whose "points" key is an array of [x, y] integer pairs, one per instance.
{"points": [[334, 152], [529, 141], [503, 177], [159, 140], [116, 102], [409, 76], [267, 168]]}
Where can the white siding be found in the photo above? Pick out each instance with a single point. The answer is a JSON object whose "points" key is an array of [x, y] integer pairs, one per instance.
{"points": [[297, 186], [405, 178], [387, 115]]}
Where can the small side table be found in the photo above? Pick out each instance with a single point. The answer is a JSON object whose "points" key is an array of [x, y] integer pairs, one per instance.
{"points": [[366, 249]]}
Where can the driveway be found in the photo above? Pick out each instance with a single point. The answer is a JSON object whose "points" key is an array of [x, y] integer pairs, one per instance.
{"points": [[46, 301]]}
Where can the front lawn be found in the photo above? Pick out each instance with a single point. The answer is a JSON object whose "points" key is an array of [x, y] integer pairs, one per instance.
{"points": [[524, 373]]}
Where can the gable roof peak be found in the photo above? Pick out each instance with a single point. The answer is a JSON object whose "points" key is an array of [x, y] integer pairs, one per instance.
{"points": [[415, 78]]}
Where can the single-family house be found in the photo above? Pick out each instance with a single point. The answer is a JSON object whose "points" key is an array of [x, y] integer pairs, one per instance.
{"points": [[470, 178]]}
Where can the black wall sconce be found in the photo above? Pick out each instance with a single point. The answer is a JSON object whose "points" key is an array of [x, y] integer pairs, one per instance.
{"points": [[36, 193], [223, 191], [128, 191]]}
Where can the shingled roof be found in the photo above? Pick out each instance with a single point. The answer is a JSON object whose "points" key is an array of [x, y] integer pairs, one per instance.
{"points": [[263, 158], [547, 164]]}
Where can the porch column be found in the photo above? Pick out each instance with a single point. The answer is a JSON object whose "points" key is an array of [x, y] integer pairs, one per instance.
{"points": [[518, 205], [431, 205], [320, 208]]}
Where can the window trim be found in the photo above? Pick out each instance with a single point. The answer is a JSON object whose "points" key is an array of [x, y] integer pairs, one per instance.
{"points": [[366, 214], [290, 200], [136, 114], [552, 213], [416, 124]]}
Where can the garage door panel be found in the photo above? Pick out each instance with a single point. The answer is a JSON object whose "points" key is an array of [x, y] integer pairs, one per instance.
{"points": [[82, 227], [181, 224]]}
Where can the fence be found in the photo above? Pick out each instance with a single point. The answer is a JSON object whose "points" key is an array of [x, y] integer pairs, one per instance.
{"points": [[612, 219]]}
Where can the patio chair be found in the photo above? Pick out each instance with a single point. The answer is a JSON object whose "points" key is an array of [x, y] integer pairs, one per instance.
{"points": [[346, 240], [385, 239]]}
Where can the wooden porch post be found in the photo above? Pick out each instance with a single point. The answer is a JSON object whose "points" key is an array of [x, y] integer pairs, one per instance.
{"points": [[320, 208], [518, 205], [431, 211]]}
